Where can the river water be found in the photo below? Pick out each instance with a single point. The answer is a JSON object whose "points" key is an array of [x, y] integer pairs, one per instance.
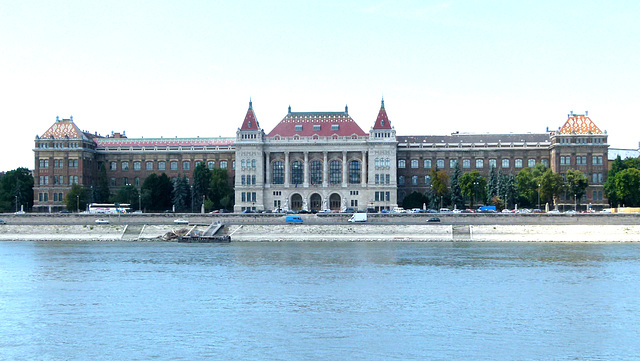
{"points": [[319, 301]]}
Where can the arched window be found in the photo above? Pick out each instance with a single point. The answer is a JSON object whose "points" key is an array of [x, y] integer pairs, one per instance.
{"points": [[401, 180], [479, 163], [316, 172], [414, 180], [354, 172], [278, 172], [297, 172], [402, 163], [505, 163]]}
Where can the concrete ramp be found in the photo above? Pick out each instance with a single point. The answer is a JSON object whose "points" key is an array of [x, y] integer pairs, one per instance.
{"points": [[461, 232], [132, 232]]}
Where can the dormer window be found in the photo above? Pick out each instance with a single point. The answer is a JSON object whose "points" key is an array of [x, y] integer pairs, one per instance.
{"points": [[316, 127], [335, 126], [249, 124], [382, 122], [298, 127]]}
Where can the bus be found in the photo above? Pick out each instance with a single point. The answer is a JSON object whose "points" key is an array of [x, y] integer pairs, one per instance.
{"points": [[109, 208]]}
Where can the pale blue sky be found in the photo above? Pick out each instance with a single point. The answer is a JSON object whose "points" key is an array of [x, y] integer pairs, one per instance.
{"points": [[188, 68]]}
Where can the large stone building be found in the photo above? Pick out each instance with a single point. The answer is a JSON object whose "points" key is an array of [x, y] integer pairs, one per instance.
{"points": [[313, 160]]}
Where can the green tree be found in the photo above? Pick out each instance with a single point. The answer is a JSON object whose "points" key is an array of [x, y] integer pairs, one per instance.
{"points": [[576, 184], [102, 193], [77, 198], [181, 194], [201, 184], [220, 191], [439, 187], [127, 194], [551, 187], [627, 184], [16, 189], [457, 200], [527, 188], [508, 189], [493, 183], [156, 193], [414, 200], [473, 185]]}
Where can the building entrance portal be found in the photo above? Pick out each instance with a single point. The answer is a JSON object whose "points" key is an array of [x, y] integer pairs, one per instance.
{"points": [[296, 202], [316, 202], [334, 202]]}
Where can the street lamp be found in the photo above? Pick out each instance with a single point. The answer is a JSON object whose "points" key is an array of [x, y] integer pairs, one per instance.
{"points": [[575, 198], [77, 203], [475, 192], [16, 204], [139, 202], [538, 195]]}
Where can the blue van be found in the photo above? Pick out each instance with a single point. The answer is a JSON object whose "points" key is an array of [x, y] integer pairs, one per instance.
{"points": [[293, 219]]}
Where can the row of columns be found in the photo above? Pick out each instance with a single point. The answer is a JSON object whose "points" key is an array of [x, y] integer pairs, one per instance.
{"points": [[325, 169]]}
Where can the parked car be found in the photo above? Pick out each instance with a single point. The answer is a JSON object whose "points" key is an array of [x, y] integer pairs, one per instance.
{"points": [[2, 222], [102, 221], [19, 212], [433, 220], [65, 211], [349, 210], [181, 221]]}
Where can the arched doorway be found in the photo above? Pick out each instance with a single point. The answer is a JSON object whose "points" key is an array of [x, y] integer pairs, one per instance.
{"points": [[316, 202], [334, 202], [296, 202]]}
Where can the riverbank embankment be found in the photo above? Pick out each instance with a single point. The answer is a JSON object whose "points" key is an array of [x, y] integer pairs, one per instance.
{"points": [[331, 233]]}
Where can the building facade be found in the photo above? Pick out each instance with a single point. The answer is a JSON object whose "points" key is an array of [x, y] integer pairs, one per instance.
{"points": [[313, 160]]}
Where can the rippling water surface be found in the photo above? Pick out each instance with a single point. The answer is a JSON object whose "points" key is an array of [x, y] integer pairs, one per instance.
{"points": [[319, 301]]}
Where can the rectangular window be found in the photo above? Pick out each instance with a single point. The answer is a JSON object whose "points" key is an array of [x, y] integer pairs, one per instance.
{"points": [[125, 165], [298, 127], [174, 165], [137, 165], [377, 178], [387, 178], [186, 165], [112, 182], [316, 127], [125, 181], [162, 165], [335, 126], [136, 182]]}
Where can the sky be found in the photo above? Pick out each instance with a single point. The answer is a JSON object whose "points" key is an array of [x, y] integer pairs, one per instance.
{"points": [[188, 68]]}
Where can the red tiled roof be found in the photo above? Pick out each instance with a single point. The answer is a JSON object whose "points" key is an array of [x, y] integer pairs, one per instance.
{"points": [[311, 121], [250, 121], [382, 122], [163, 142], [579, 124], [64, 128]]}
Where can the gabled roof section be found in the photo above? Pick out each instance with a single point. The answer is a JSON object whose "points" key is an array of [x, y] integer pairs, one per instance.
{"points": [[64, 128], [250, 120], [323, 124], [382, 122], [579, 124]]}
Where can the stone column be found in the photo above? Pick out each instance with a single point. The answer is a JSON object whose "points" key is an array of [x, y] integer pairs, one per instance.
{"points": [[286, 169], [268, 169], [306, 170], [364, 168], [325, 169], [344, 169]]}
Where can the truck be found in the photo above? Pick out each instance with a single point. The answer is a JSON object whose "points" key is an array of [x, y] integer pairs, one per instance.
{"points": [[358, 217], [487, 209]]}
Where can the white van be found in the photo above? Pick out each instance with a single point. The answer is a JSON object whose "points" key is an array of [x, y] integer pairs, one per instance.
{"points": [[358, 217]]}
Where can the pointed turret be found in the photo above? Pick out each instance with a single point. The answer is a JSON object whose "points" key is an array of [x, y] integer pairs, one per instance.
{"points": [[250, 120], [382, 122]]}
